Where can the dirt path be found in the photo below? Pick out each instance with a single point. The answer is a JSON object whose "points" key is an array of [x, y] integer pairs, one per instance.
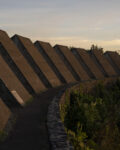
{"points": [[30, 131]]}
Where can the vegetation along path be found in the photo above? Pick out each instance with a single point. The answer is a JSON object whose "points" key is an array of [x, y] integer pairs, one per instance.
{"points": [[30, 131]]}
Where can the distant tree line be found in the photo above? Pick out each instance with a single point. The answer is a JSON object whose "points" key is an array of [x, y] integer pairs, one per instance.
{"points": [[95, 47]]}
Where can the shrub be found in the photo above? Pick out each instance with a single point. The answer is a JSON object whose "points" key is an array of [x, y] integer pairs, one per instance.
{"points": [[92, 120]]}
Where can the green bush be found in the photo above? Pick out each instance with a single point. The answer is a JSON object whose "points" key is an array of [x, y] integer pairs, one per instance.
{"points": [[92, 120], [3, 135]]}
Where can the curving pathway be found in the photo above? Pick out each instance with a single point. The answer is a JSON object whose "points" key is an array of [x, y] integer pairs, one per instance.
{"points": [[30, 131]]}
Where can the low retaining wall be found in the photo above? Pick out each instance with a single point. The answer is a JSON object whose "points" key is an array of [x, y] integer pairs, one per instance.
{"points": [[57, 134]]}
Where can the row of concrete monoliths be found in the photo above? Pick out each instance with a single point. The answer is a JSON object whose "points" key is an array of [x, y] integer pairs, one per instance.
{"points": [[28, 69]]}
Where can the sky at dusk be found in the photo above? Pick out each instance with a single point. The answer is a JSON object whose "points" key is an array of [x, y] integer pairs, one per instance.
{"points": [[78, 23]]}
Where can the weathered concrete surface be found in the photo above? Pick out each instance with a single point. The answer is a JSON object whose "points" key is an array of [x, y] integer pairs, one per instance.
{"points": [[4, 115], [36, 60], [55, 62], [71, 62], [11, 81], [18, 97], [7, 46], [114, 59], [84, 57], [9, 100], [103, 64]]}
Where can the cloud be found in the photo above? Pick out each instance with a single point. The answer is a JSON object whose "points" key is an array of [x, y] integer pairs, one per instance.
{"points": [[73, 23], [82, 43]]}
